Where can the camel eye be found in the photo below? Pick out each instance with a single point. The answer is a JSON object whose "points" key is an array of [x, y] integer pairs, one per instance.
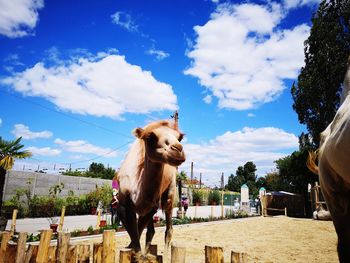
{"points": [[167, 142], [181, 137], [151, 138]]}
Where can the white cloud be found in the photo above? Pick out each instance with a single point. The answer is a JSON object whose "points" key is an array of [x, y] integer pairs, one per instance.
{"points": [[159, 54], [0, 122], [23, 131], [81, 146], [297, 3], [208, 99], [232, 149], [45, 151], [242, 56], [125, 21], [103, 85], [18, 18], [251, 115]]}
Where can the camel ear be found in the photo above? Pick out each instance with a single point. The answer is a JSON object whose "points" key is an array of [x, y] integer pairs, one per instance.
{"points": [[138, 132]]}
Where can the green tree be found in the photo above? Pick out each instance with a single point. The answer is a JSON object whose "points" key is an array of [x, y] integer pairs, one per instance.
{"points": [[9, 151], [316, 95], [98, 170], [244, 175]]}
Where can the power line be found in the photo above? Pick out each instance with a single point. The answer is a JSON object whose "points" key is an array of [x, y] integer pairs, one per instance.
{"points": [[87, 160], [66, 115]]}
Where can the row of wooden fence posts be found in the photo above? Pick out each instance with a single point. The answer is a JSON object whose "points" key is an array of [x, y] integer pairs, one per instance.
{"points": [[104, 252]]}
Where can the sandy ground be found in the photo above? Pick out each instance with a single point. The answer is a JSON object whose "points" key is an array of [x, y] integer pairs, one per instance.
{"points": [[265, 239]]}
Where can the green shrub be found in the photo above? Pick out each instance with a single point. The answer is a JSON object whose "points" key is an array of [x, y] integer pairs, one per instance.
{"points": [[214, 197]]}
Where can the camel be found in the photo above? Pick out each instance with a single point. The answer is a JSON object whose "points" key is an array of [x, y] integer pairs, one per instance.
{"points": [[147, 177], [334, 170]]}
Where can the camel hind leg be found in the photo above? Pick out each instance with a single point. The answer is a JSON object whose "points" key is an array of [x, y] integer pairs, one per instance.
{"points": [[337, 197]]}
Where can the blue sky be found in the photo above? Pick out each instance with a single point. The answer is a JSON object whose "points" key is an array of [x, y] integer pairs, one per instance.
{"points": [[77, 76]]}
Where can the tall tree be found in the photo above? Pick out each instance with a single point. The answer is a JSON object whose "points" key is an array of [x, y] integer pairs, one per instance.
{"points": [[316, 95], [9, 151], [244, 175]]}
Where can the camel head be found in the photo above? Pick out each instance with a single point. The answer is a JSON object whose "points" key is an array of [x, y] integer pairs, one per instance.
{"points": [[162, 142]]}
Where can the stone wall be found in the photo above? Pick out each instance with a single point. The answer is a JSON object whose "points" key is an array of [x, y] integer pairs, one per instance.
{"points": [[41, 183]]}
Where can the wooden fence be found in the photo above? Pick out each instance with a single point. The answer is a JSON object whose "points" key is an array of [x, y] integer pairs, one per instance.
{"points": [[104, 252]]}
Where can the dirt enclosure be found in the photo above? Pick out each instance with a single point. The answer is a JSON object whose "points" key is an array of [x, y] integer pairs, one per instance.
{"points": [[265, 239]]}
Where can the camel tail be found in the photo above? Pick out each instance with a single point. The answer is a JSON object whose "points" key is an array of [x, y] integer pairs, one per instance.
{"points": [[311, 162]]}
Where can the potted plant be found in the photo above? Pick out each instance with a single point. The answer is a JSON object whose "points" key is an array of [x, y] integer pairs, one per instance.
{"points": [[52, 205], [214, 197], [196, 197]]}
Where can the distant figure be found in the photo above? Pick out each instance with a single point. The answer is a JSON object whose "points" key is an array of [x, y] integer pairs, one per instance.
{"points": [[258, 206], [184, 203], [114, 207]]}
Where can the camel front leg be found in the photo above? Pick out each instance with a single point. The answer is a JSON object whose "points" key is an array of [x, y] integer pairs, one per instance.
{"points": [[169, 221], [128, 218]]}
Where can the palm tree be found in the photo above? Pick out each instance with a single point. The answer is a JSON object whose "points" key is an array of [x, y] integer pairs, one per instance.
{"points": [[9, 151]]}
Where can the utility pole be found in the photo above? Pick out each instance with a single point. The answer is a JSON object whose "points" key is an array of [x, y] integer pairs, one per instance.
{"points": [[200, 180], [176, 119], [222, 181], [191, 172]]}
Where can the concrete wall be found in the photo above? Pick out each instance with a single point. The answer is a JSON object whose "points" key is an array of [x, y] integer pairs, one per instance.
{"points": [[41, 183]]}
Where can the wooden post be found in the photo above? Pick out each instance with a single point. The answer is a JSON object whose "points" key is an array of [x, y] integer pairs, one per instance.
{"points": [[222, 204], [44, 245], [60, 226], [214, 254], [285, 211], [195, 211], [13, 223], [125, 255], [97, 253], [178, 254], [239, 257], [212, 211], [62, 246], [108, 250], [31, 253], [21, 247], [6, 236], [98, 219]]}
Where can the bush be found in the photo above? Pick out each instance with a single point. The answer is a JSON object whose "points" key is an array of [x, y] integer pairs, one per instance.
{"points": [[214, 197], [196, 197]]}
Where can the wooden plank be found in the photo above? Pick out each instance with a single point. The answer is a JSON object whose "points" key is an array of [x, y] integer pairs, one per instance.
{"points": [[62, 246], [13, 222], [125, 255], [10, 255], [98, 219], [237, 257], [98, 253], [31, 254], [51, 255], [109, 248], [44, 245], [178, 254], [72, 254], [6, 236], [21, 247], [214, 254], [60, 226], [83, 252]]}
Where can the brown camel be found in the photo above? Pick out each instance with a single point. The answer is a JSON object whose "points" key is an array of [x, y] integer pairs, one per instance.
{"points": [[147, 177], [334, 170]]}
